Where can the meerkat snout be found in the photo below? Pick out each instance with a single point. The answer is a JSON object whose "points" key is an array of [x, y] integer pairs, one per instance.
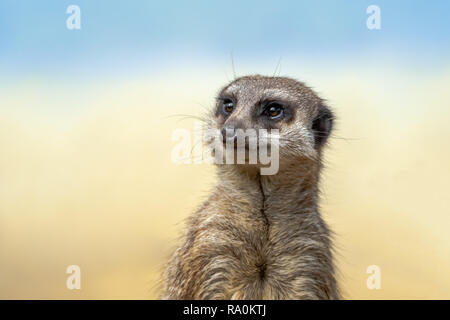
{"points": [[230, 131]]}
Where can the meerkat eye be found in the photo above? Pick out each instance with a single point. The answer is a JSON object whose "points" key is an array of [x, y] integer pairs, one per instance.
{"points": [[227, 106], [274, 110]]}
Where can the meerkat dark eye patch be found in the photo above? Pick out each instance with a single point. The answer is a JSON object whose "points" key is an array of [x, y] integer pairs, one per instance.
{"points": [[226, 106], [322, 126], [273, 111]]}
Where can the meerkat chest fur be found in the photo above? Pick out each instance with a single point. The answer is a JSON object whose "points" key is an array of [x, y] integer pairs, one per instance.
{"points": [[261, 236]]}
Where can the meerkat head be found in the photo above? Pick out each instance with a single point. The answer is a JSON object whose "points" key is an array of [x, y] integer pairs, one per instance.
{"points": [[280, 104]]}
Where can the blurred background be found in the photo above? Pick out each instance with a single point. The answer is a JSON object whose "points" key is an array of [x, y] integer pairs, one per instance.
{"points": [[87, 116]]}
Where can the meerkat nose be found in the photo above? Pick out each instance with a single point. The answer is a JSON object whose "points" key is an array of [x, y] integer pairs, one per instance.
{"points": [[229, 133]]}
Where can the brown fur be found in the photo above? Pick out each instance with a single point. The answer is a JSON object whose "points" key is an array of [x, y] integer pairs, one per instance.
{"points": [[261, 237]]}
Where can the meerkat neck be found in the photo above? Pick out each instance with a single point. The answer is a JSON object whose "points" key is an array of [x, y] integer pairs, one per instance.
{"points": [[293, 188]]}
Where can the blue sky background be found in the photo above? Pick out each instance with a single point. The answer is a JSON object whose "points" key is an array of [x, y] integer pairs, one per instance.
{"points": [[136, 36]]}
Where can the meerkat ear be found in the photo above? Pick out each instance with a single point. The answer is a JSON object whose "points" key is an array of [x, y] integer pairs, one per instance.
{"points": [[322, 126]]}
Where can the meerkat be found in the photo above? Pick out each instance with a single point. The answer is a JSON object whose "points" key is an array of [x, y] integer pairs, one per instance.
{"points": [[261, 236]]}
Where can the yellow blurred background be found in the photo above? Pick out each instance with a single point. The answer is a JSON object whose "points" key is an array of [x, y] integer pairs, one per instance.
{"points": [[93, 184]]}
